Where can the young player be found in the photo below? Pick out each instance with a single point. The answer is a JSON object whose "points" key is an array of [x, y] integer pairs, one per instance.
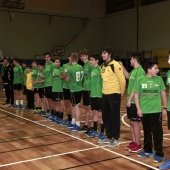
{"points": [[18, 79], [86, 87], [66, 91], [74, 77], [96, 98], [29, 87], [149, 89], [138, 71], [24, 65], [57, 91]]}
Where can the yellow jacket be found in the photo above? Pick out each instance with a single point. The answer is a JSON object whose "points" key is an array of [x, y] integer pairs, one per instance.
{"points": [[29, 85], [113, 78]]}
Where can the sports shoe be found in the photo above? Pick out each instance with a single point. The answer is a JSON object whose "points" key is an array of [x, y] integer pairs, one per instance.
{"points": [[62, 122], [107, 140], [145, 154], [87, 131], [45, 114], [113, 142], [158, 159], [101, 137], [84, 128], [92, 134], [135, 148], [21, 106], [70, 125], [166, 165], [75, 128], [53, 119], [58, 121], [130, 145]]}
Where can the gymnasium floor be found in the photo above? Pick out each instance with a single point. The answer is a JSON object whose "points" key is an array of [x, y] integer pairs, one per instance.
{"points": [[30, 142]]}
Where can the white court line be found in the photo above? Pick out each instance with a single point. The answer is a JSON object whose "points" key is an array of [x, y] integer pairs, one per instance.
{"points": [[123, 117], [123, 156]]}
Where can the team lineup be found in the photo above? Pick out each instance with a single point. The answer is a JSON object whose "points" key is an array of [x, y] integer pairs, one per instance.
{"points": [[52, 90]]}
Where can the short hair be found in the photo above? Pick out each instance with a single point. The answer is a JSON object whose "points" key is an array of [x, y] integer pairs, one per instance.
{"points": [[84, 51], [137, 56], [74, 57], [5, 58], [24, 62], [109, 50], [47, 53], [28, 66], [15, 59], [57, 59], [40, 63], [95, 56], [149, 64]]}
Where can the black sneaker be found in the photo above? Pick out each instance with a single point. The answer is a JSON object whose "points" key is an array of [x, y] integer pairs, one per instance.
{"points": [[84, 128]]}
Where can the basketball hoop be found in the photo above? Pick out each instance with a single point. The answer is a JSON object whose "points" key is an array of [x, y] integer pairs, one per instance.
{"points": [[11, 12]]}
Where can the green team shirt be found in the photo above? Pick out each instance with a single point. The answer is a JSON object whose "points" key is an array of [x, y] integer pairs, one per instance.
{"points": [[57, 85], [17, 74], [75, 73], [25, 76], [40, 73], [168, 83], [87, 72], [48, 71], [149, 89], [96, 83], [134, 74], [34, 76], [65, 68]]}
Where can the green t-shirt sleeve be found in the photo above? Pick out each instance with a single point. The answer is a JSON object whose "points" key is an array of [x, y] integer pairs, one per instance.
{"points": [[137, 86], [162, 84]]}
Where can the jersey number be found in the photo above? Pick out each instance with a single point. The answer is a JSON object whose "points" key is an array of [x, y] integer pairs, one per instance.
{"points": [[79, 76]]}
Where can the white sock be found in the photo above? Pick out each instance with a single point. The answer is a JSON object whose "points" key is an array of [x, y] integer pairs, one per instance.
{"points": [[21, 102], [78, 123], [73, 121], [17, 102]]}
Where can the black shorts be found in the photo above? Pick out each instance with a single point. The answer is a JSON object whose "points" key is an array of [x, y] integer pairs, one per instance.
{"points": [[168, 116], [41, 92], [132, 113], [35, 90], [75, 98], [57, 96], [48, 92], [24, 90], [86, 98], [18, 86], [96, 104], [66, 94]]}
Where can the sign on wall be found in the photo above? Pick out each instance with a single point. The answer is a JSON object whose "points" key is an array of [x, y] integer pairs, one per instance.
{"points": [[162, 57]]}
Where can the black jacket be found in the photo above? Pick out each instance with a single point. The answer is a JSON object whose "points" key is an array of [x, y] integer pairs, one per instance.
{"points": [[8, 75]]}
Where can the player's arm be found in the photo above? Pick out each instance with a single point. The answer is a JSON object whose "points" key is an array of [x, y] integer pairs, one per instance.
{"points": [[130, 98], [121, 77], [139, 111], [164, 100], [125, 72]]}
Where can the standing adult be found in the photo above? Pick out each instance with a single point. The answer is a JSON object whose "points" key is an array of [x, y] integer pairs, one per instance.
{"points": [[113, 88]]}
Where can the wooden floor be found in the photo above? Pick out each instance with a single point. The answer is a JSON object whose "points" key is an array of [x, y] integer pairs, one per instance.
{"points": [[30, 142]]}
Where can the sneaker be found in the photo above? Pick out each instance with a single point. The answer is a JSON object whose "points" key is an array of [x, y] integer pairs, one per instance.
{"points": [[45, 114], [75, 128], [145, 154], [130, 145], [62, 122], [58, 121], [87, 131], [158, 159], [135, 148], [92, 134], [113, 142], [21, 106], [101, 137], [84, 128], [53, 118], [107, 140], [70, 125], [67, 122], [166, 165]]}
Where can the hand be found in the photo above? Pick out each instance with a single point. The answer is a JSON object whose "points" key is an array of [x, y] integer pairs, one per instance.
{"points": [[120, 63], [128, 104], [139, 112], [164, 113]]}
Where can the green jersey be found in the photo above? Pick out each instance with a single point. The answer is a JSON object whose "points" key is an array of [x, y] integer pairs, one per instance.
{"points": [[25, 76], [40, 78], [96, 83], [48, 71], [34, 77], [75, 73], [87, 72], [65, 68], [57, 85], [134, 74], [18, 74], [168, 83], [149, 89]]}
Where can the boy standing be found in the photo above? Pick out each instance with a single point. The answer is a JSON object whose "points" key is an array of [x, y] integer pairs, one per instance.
{"points": [[74, 77], [138, 71], [149, 89]]}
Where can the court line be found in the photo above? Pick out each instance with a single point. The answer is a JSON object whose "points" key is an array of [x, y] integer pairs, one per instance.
{"points": [[133, 160]]}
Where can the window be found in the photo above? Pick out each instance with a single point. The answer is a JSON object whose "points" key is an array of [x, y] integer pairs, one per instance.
{"points": [[148, 2]]}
